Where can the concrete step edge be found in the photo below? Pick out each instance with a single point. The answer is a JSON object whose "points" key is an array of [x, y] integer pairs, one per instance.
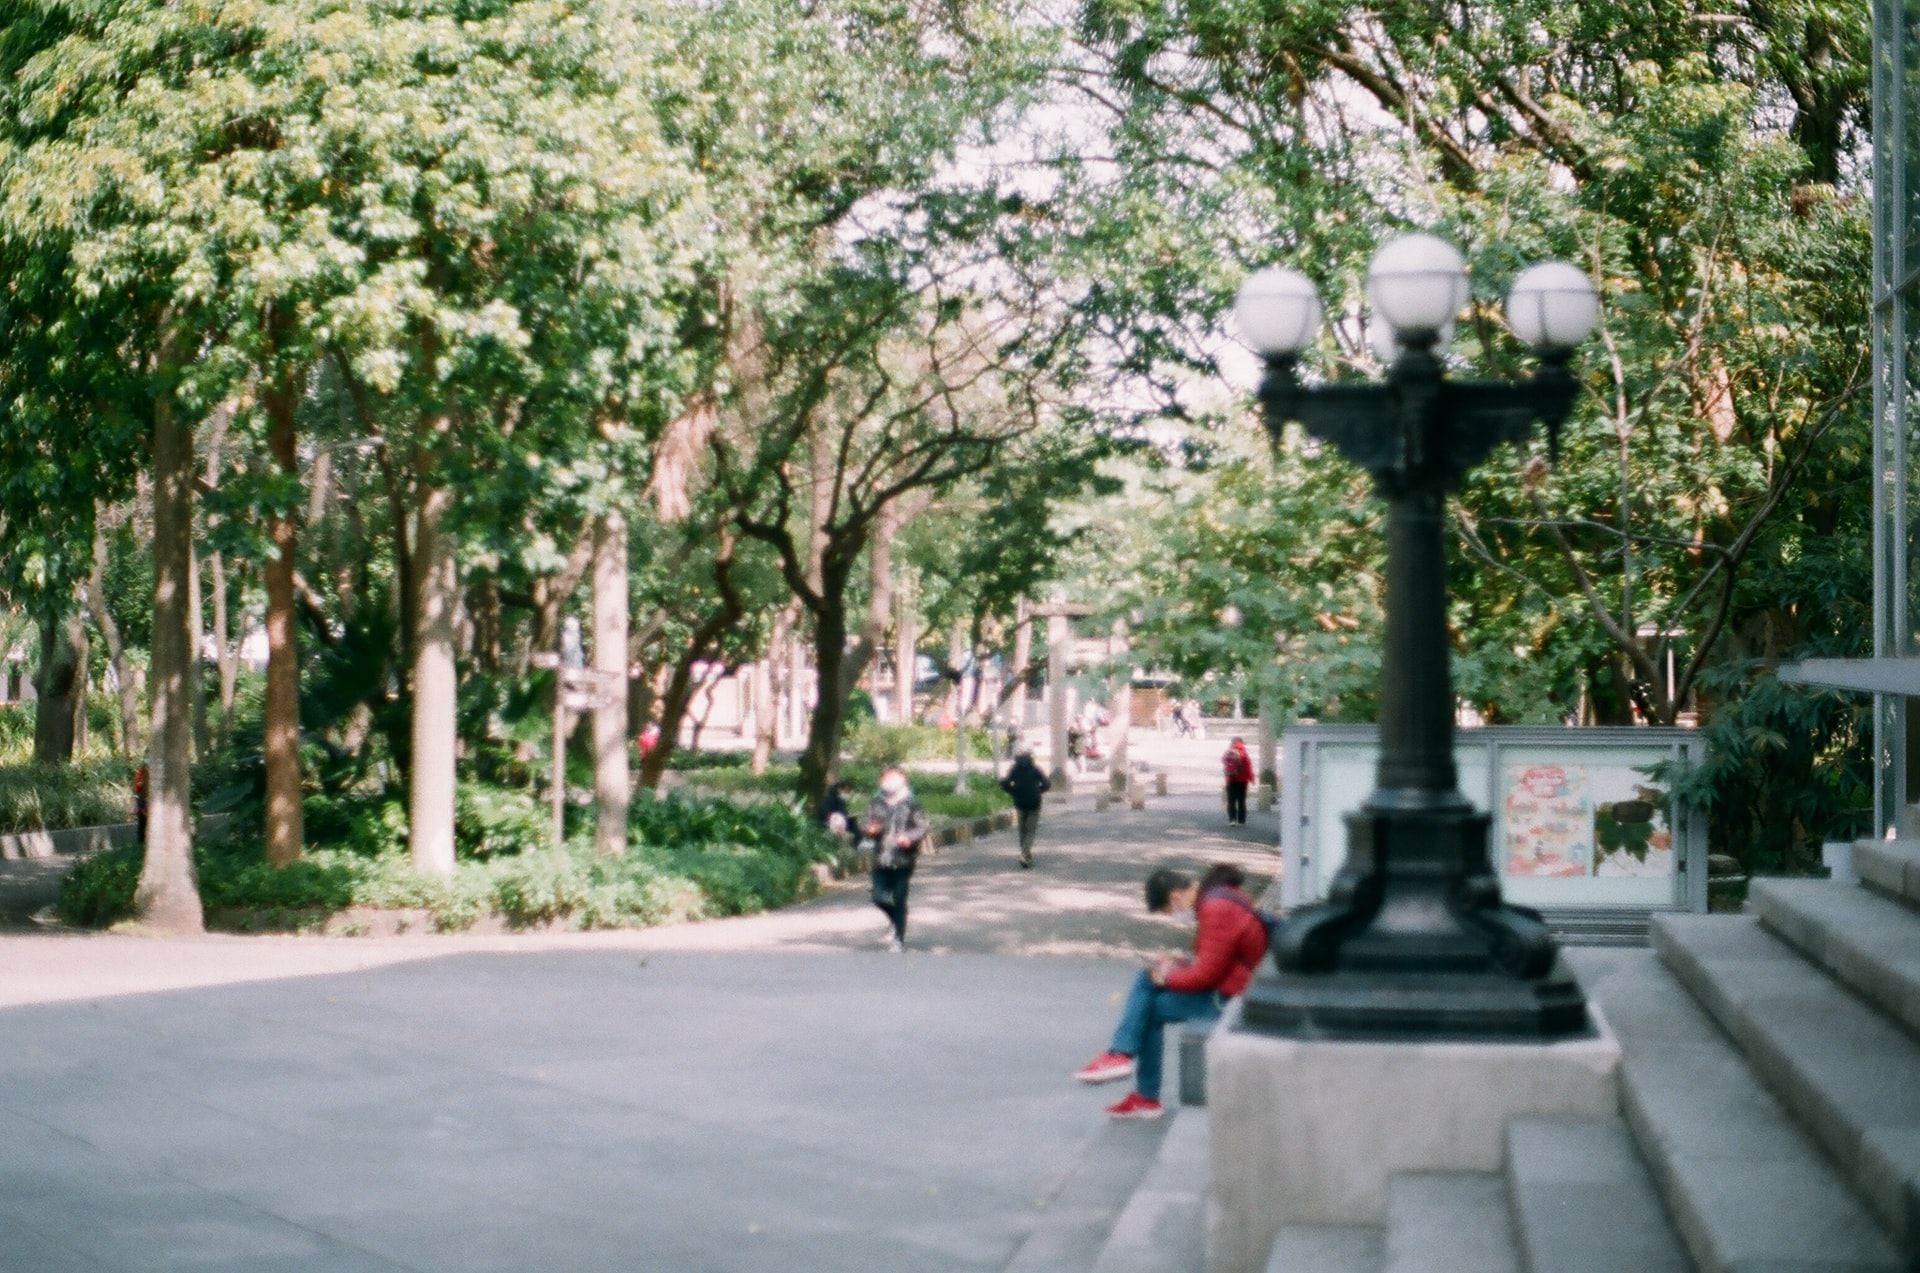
{"points": [[1583, 1200], [1328, 1248], [1449, 1222], [1869, 942], [1162, 1226], [1890, 866], [1076, 1218], [1765, 997]]}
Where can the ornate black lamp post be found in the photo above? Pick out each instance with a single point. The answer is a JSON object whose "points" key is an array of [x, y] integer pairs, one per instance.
{"points": [[1414, 941]]}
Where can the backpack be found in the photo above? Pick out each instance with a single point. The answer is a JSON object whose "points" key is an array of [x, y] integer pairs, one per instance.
{"points": [[1268, 920]]}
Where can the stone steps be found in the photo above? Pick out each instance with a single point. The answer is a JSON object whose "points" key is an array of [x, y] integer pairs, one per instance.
{"points": [[1870, 942], [1745, 1187], [1076, 1220], [1449, 1222], [1327, 1248], [1583, 1201], [1891, 866], [1162, 1228], [1850, 1076]]}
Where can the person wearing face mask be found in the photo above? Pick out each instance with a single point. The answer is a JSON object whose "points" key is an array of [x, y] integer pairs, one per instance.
{"points": [[891, 830]]}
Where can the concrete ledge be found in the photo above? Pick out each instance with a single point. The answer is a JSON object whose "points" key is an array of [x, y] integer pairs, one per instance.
{"points": [[1310, 1133], [46, 844]]}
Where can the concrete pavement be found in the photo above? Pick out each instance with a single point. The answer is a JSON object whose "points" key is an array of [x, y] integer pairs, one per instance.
{"points": [[768, 1093]]}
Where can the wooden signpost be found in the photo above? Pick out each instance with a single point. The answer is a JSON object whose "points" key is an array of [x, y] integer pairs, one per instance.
{"points": [[581, 690]]}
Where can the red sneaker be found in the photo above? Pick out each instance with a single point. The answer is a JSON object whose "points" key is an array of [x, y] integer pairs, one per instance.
{"points": [[1134, 1105], [1105, 1068]]}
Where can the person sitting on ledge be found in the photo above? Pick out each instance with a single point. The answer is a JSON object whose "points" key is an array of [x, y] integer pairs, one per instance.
{"points": [[1229, 940]]}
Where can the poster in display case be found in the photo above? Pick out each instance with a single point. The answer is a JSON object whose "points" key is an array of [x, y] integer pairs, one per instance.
{"points": [[1579, 817]]}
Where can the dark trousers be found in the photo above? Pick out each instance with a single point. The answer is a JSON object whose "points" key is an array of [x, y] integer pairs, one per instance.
{"points": [[1029, 823], [1237, 802], [890, 895]]}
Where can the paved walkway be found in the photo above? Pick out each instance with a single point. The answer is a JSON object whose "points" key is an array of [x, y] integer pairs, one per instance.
{"points": [[765, 1093]]}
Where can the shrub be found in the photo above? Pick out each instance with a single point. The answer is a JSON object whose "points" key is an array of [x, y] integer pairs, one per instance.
{"points": [[872, 743], [54, 797], [687, 859]]}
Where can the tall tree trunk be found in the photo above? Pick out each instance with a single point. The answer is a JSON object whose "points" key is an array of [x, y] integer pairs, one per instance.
{"points": [[224, 651], [196, 683], [796, 677], [484, 604], [167, 898], [1022, 655], [767, 699], [1120, 696], [820, 758], [1058, 638], [60, 705], [116, 648], [906, 652], [281, 715], [434, 736], [611, 780], [957, 646]]}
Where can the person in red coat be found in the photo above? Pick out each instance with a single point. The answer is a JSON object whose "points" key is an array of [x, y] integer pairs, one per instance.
{"points": [[1229, 941], [1239, 770]]}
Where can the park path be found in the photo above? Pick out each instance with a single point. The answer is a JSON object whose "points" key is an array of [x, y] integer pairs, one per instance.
{"points": [[768, 1093]]}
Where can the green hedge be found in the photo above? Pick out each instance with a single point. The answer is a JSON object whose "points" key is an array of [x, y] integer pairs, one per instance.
{"points": [[687, 859], [55, 797], [870, 743], [934, 790]]}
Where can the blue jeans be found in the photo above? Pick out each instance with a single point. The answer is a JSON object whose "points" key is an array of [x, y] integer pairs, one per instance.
{"points": [[1148, 1008]]}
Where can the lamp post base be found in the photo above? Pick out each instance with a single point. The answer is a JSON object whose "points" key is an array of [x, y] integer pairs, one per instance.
{"points": [[1409, 1006]]}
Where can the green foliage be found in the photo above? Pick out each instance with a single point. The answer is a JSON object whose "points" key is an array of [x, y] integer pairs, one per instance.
{"points": [[870, 744], [688, 859], [55, 797], [934, 790]]}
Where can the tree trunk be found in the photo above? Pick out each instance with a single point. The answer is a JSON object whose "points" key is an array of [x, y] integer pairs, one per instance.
{"points": [[60, 705], [196, 683], [434, 736], [905, 656], [116, 648], [1120, 697], [611, 788], [167, 898], [796, 678], [224, 650], [281, 712], [819, 759], [766, 696], [1022, 656], [1058, 637], [957, 646], [226, 656]]}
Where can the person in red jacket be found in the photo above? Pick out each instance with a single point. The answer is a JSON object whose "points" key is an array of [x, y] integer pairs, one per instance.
{"points": [[1239, 770], [1228, 942]]}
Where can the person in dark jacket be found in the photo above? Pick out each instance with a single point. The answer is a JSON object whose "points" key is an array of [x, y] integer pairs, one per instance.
{"points": [[833, 813], [1229, 940], [1237, 765], [891, 829], [1026, 784]]}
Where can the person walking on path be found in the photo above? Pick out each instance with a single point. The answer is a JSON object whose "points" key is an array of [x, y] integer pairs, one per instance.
{"points": [[891, 829], [1239, 771], [1026, 784], [1229, 940]]}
